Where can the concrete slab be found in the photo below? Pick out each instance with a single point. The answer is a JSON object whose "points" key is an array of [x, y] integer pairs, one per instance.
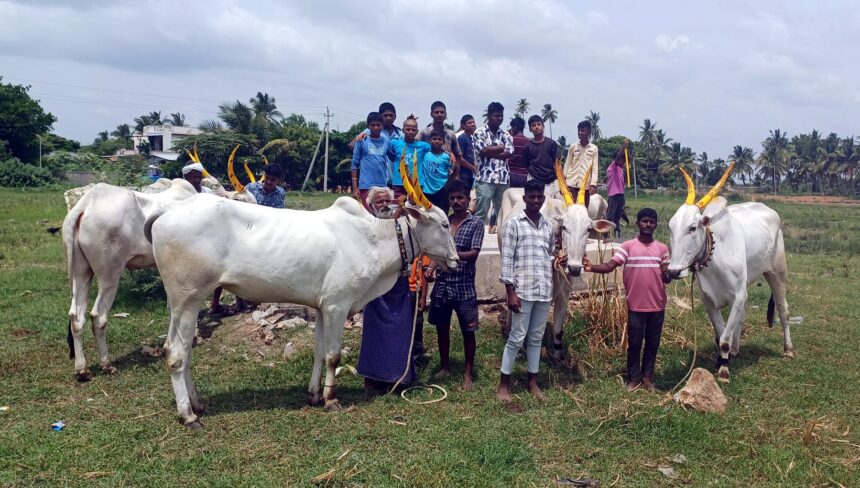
{"points": [[489, 266]]}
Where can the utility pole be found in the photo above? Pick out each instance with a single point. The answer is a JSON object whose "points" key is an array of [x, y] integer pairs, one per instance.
{"points": [[328, 115], [40, 149]]}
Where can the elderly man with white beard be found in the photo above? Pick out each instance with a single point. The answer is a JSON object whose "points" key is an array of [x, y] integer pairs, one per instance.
{"points": [[387, 333]]}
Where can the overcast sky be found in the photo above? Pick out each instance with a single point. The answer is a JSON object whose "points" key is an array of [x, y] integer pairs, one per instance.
{"points": [[712, 74]]}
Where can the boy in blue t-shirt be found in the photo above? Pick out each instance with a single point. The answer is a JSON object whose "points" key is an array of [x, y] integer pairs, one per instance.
{"points": [[434, 172], [370, 160], [395, 151]]}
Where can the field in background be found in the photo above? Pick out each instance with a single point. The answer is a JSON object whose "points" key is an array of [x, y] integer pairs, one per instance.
{"points": [[789, 423]]}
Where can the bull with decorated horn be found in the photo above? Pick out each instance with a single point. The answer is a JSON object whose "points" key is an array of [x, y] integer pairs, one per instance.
{"points": [[727, 248], [571, 226], [334, 260]]}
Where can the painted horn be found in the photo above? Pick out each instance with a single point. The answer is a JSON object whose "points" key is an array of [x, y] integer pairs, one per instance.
{"points": [[715, 190], [195, 157], [580, 197], [416, 186], [562, 184], [691, 188], [231, 173], [404, 175], [249, 173], [266, 161]]}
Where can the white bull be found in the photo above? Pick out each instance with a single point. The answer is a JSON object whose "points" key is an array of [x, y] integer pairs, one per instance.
{"points": [[729, 248], [102, 235], [335, 260], [573, 224]]}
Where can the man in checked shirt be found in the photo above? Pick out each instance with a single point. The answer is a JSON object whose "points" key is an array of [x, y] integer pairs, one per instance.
{"points": [[527, 266], [455, 291]]}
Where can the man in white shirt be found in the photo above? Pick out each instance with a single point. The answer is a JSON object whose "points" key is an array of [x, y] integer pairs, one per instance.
{"points": [[580, 156]]}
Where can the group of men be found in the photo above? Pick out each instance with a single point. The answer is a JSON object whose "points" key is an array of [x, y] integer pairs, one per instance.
{"points": [[491, 160]]}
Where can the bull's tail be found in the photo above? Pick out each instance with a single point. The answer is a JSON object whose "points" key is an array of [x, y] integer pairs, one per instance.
{"points": [[74, 256], [771, 305], [147, 226]]}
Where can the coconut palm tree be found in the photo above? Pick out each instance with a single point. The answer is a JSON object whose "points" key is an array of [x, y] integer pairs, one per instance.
{"points": [[237, 116], [522, 107], [211, 126], [102, 137], [774, 158], [594, 118], [703, 168], [122, 131], [744, 159], [550, 115], [177, 119], [264, 106], [647, 133], [152, 118]]}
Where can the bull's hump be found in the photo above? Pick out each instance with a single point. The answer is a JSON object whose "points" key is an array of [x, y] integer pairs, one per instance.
{"points": [[350, 206]]}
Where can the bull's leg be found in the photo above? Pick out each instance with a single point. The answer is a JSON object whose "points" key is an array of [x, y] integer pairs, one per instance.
{"points": [[734, 322], [101, 308], [314, 394], [333, 342], [778, 288], [81, 277], [560, 299], [193, 398], [178, 365]]}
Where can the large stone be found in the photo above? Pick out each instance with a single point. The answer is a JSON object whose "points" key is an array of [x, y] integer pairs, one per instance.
{"points": [[702, 393]]}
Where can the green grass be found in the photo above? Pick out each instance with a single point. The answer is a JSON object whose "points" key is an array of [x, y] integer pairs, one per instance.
{"points": [[789, 423]]}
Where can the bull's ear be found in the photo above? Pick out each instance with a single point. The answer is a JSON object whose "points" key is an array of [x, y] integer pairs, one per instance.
{"points": [[714, 210], [602, 226], [413, 212]]}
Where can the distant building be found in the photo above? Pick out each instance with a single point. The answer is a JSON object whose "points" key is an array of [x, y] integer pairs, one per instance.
{"points": [[161, 139]]}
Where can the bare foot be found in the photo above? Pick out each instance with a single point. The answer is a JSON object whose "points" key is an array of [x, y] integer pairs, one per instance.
{"points": [[648, 384], [441, 374], [503, 394], [536, 391], [467, 383]]}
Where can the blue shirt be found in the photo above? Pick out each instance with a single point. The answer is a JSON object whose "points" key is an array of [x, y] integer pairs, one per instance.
{"points": [[370, 159], [433, 173], [393, 134], [275, 199], [468, 150], [395, 150]]}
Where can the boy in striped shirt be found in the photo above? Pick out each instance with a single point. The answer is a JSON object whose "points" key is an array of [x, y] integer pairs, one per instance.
{"points": [[646, 273]]}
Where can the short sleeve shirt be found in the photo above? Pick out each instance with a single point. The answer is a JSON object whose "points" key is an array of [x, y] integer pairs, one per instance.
{"points": [[433, 172], [460, 283], [539, 158], [395, 151], [275, 199], [492, 170], [370, 158], [450, 140], [643, 280], [516, 164]]}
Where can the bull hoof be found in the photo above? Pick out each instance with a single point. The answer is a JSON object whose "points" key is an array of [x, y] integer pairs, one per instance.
{"points": [[83, 376], [332, 406], [789, 353], [198, 409], [194, 425], [315, 399], [723, 375], [108, 369]]}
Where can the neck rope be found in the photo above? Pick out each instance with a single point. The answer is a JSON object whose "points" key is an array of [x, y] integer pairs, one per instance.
{"points": [[706, 253]]}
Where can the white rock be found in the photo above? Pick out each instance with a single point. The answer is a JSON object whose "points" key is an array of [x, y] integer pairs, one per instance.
{"points": [[289, 350], [256, 315], [702, 393]]}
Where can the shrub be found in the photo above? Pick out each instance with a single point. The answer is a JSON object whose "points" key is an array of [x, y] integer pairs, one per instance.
{"points": [[59, 161], [142, 285], [14, 173]]}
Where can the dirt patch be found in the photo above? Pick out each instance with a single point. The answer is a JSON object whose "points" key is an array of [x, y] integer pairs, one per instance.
{"points": [[809, 199]]}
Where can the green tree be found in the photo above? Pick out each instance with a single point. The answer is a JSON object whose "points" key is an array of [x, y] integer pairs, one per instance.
{"points": [[522, 107], [152, 118], [237, 116], [176, 118], [594, 118], [550, 115], [22, 120], [703, 168], [123, 132], [744, 159], [211, 126], [773, 160], [264, 107]]}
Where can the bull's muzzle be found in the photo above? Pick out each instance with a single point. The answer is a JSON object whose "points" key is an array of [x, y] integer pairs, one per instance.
{"points": [[574, 270]]}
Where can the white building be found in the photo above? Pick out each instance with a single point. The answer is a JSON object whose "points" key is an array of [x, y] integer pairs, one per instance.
{"points": [[161, 139]]}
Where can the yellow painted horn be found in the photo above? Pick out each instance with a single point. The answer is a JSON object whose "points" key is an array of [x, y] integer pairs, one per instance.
{"points": [[416, 186], [562, 184], [231, 173], [195, 157], [580, 197], [249, 173], [407, 183], [715, 190], [691, 188], [266, 161]]}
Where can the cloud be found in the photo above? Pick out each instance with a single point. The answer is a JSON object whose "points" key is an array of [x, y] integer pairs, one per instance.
{"points": [[669, 44]]}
